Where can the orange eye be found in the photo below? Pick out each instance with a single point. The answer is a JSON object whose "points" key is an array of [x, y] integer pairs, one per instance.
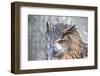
{"points": [[61, 41]]}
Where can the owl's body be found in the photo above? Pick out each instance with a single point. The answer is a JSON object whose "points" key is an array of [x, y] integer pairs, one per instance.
{"points": [[65, 42]]}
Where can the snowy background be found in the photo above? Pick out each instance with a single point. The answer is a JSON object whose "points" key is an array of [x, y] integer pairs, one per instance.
{"points": [[37, 29]]}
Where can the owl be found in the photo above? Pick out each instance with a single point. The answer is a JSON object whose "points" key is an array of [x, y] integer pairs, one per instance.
{"points": [[64, 42]]}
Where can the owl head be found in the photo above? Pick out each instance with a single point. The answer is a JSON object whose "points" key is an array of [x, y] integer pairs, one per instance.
{"points": [[59, 38]]}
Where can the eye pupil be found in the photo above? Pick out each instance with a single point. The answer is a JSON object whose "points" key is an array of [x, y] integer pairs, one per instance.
{"points": [[61, 41]]}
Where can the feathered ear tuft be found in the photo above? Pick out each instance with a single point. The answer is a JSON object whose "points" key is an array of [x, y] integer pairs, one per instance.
{"points": [[47, 26], [72, 28], [69, 30]]}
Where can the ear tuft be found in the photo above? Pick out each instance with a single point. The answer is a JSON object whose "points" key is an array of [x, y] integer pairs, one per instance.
{"points": [[72, 28], [47, 24], [69, 30]]}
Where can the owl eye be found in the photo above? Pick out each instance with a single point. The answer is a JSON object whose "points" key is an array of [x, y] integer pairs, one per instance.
{"points": [[61, 41]]}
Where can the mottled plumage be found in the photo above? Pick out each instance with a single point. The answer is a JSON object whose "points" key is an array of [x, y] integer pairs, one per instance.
{"points": [[64, 42]]}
